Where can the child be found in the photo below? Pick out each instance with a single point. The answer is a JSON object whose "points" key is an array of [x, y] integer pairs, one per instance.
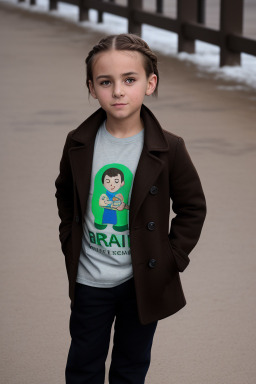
{"points": [[127, 268]]}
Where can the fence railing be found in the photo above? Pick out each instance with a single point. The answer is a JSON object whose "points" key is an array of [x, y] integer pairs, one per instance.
{"points": [[189, 23]]}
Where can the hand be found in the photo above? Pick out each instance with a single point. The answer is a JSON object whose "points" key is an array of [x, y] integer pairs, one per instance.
{"points": [[104, 201], [121, 206]]}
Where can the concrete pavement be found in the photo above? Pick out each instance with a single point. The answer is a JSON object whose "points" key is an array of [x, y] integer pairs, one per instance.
{"points": [[42, 97]]}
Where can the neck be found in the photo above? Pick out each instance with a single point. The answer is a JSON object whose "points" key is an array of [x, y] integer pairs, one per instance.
{"points": [[122, 129]]}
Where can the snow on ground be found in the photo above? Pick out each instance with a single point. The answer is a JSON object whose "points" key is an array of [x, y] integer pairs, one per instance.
{"points": [[206, 56]]}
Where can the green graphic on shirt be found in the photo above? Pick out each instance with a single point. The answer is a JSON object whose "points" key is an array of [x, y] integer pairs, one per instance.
{"points": [[112, 186]]}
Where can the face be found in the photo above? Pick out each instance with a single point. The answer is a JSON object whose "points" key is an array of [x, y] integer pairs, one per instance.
{"points": [[112, 184], [120, 83]]}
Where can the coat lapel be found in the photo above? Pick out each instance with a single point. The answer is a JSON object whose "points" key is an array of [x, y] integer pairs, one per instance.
{"points": [[81, 154], [150, 165], [148, 170], [81, 163]]}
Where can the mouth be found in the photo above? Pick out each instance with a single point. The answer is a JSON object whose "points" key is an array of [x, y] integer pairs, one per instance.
{"points": [[118, 105]]}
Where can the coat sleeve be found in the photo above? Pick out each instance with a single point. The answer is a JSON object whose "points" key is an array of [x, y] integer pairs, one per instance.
{"points": [[64, 196], [188, 203]]}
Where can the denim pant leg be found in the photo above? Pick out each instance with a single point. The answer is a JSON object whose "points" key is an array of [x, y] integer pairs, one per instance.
{"points": [[132, 341], [91, 319]]}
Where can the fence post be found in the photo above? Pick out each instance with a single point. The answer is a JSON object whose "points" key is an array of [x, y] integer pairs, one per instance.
{"points": [[231, 21], [159, 6], [187, 12], [201, 11], [83, 10], [133, 26], [100, 13], [53, 5], [100, 17]]}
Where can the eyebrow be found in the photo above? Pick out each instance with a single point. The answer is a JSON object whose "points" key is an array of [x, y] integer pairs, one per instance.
{"points": [[123, 75]]}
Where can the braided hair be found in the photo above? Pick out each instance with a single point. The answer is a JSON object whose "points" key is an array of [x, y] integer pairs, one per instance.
{"points": [[124, 42]]}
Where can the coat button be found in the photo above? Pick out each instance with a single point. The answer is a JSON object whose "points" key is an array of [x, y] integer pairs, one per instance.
{"points": [[153, 190], [152, 263], [77, 219], [151, 226]]}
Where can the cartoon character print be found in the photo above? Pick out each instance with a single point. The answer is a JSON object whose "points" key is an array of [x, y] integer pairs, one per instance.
{"points": [[112, 201], [109, 206]]}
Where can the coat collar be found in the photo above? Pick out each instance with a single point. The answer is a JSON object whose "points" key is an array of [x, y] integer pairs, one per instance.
{"points": [[154, 138]]}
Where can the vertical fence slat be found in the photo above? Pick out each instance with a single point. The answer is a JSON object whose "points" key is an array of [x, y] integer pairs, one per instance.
{"points": [[159, 6], [231, 21], [83, 10], [53, 5], [100, 17], [201, 11], [186, 12], [133, 26], [100, 14]]}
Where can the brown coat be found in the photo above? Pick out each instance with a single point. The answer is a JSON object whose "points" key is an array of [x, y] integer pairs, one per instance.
{"points": [[158, 253]]}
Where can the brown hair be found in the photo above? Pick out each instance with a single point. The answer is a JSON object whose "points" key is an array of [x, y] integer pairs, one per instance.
{"points": [[112, 172], [124, 42]]}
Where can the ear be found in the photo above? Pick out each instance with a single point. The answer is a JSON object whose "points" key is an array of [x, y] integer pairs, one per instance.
{"points": [[92, 90], [151, 86]]}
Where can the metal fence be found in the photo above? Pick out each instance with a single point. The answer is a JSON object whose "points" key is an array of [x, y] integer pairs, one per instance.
{"points": [[188, 24]]}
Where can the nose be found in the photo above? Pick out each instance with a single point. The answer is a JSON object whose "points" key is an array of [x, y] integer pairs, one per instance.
{"points": [[118, 90]]}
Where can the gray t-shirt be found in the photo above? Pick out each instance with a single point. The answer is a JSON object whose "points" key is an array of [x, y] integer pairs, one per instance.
{"points": [[105, 258]]}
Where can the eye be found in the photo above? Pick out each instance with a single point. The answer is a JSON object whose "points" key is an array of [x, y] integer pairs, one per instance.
{"points": [[105, 83], [130, 80], [116, 181], [107, 181]]}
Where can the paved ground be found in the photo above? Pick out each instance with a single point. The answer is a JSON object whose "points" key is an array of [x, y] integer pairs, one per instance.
{"points": [[42, 97]]}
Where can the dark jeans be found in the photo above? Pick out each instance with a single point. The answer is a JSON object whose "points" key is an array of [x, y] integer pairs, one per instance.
{"points": [[92, 316]]}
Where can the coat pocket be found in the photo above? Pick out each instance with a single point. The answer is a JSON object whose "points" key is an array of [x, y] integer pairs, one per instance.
{"points": [[170, 263], [180, 258]]}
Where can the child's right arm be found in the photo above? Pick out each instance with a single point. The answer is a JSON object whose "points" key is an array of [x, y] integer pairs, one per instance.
{"points": [[64, 195]]}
